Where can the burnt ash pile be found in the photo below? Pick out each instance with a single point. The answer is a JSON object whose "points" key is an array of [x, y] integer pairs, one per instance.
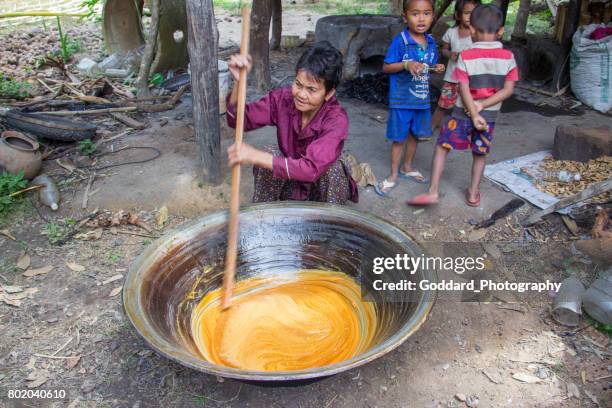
{"points": [[374, 88], [370, 88]]}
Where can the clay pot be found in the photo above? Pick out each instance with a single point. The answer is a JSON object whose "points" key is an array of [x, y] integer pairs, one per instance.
{"points": [[19, 152]]}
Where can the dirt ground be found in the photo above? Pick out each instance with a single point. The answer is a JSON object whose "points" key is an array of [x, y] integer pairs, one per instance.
{"points": [[70, 333]]}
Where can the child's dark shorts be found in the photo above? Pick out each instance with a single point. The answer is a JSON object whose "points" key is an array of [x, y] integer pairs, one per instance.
{"points": [[460, 134], [404, 122]]}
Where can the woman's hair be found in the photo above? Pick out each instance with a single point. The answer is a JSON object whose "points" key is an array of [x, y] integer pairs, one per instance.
{"points": [[324, 63], [459, 5], [406, 4]]}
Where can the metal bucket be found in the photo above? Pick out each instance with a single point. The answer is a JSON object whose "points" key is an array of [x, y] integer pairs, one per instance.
{"points": [[275, 238]]}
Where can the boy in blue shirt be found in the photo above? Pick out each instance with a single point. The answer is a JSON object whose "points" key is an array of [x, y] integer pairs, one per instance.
{"points": [[410, 58]]}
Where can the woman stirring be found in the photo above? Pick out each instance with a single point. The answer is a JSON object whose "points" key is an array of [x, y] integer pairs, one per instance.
{"points": [[311, 128]]}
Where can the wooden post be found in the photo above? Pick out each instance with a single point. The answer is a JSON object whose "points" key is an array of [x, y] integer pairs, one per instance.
{"points": [[572, 17], [394, 7], [520, 26], [202, 45], [277, 24], [149, 52], [440, 10], [260, 44], [503, 5]]}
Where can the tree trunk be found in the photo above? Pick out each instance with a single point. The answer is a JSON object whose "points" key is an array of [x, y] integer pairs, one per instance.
{"points": [[440, 10], [520, 26], [394, 7], [277, 24], [260, 43], [149, 52], [202, 43], [503, 5]]}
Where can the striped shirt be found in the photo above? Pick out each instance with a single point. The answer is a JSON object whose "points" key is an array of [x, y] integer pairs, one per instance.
{"points": [[486, 67]]}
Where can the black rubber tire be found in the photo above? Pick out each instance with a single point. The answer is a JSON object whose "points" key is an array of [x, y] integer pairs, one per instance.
{"points": [[50, 127]]}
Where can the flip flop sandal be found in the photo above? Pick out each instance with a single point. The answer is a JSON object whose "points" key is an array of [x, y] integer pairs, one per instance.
{"points": [[422, 199], [385, 187], [415, 176], [472, 203]]}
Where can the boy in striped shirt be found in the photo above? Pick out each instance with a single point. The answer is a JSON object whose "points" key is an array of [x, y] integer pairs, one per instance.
{"points": [[486, 74]]}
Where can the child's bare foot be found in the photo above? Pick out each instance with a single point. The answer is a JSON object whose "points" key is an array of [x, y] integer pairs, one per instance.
{"points": [[424, 199]]}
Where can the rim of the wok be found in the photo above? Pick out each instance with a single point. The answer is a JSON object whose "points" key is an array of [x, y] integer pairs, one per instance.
{"points": [[135, 311]]}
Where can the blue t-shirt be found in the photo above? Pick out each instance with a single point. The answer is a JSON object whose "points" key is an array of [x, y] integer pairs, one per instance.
{"points": [[409, 91]]}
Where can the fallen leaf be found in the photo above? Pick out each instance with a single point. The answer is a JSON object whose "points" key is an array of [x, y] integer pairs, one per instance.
{"points": [[39, 271], [493, 377], [90, 235], [477, 234], [7, 234], [161, 217], [573, 391], [526, 378], [24, 262], [20, 295], [75, 267], [36, 379], [112, 279], [11, 289], [115, 291], [71, 362], [9, 302], [591, 396], [31, 364]]}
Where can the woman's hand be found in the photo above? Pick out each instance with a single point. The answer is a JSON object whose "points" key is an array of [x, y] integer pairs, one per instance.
{"points": [[247, 154], [241, 154], [237, 62]]}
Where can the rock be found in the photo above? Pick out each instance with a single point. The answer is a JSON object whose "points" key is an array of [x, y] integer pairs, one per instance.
{"points": [[359, 38], [599, 250], [87, 66], [88, 386], [472, 401], [460, 397], [542, 373], [582, 144], [573, 391]]}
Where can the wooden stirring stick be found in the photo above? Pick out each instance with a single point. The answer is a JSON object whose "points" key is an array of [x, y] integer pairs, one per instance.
{"points": [[232, 231]]}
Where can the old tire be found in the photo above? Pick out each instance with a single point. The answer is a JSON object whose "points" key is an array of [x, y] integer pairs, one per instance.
{"points": [[50, 127]]}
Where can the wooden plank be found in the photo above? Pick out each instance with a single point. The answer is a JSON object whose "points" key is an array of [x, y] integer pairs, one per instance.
{"points": [[126, 120], [593, 190], [202, 46]]}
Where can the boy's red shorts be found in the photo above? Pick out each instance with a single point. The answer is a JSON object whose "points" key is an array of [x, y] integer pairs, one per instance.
{"points": [[448, 97]]}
